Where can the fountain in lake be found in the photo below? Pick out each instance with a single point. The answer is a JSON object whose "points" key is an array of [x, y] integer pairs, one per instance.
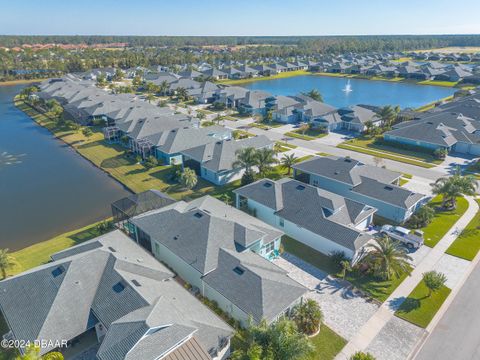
{"points": [[348, 87]]}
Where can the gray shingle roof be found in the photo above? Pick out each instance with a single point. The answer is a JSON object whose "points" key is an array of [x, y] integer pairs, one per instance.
{"points": [[221, 155], [319, 211], [345, 170], [211, 223], [263, 290], [118, 280]]}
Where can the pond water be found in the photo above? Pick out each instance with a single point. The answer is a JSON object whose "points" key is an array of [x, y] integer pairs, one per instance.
{"points": [[46, 188], [368, 92]]}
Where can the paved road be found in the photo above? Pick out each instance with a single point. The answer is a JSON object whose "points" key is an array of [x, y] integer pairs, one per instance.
{"points": [[428, 175], [457, 335]]}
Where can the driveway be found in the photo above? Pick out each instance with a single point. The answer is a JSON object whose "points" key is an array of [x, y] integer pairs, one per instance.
{"points": [[344, 311], [334, 138]]}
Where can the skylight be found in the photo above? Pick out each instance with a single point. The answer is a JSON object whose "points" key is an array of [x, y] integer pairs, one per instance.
{"points": [[118, 287], [238, 270], [58, 271]]}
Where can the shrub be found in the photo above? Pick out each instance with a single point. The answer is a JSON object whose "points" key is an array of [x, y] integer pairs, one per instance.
{"points": [[247, 178], [150, 162], [362, 356], [336, 257], [440, 153]]}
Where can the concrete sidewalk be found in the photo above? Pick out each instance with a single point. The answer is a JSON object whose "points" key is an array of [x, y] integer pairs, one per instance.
{"points": [[375, 324]]}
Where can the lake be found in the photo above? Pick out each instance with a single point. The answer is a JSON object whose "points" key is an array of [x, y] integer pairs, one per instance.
{"points": [[368, 92], [46, 188]]}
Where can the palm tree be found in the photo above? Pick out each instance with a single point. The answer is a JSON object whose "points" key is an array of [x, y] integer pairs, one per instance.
{"points": [[265, 159], [315, 95], [268, 117], [6, 261], [188, 178], [387, 115], [182, 94], [345, 265], [307, 316], [163, 88], [386, 258], [453, 187], [278, 341], [288, 161], [246, 158], [434, 281], [150, 98]]}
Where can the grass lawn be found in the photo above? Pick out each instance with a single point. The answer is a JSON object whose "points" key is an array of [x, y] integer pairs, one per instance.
{"points": [[260, 78], [418, 308], [443, 220], [378, 144], [378, 289], [242, 134], [310, 134], [385, 155], [323, 154], [438, 83], [111, 158], [40, 253], [403, 181], [327, 344], [467, 245]]}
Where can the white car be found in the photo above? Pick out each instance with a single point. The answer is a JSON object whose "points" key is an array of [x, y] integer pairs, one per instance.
{"points": [[403, 235]]}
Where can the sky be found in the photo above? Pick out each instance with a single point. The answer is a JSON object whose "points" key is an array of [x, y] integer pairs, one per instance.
{"points": [[239, 17]]}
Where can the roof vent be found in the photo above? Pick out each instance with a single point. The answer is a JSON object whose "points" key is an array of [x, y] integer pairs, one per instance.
{"points": [[300, 187], [58, 271], [238, 270], [112, 249], [118, 287], [389, 188], [267, 185], [198, 215], [348, 160], [136, 283]]}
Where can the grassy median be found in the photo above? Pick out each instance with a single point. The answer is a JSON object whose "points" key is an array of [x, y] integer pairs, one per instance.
{"points": [[419, 308], [467, 245]]}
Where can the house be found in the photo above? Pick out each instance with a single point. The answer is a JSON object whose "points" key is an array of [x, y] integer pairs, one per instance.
{"points": [[283, 108], [214, 74], [366, 184], [325, 221], [353, 118], [264, 70], [254, 102], [447, 130], [215, 161], [230, 96], [223, 253], [112, 290], [205, 93]]}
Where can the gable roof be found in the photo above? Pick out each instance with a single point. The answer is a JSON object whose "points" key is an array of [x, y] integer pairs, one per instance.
{"points": [[221, 155], [345, 170], [211, 223], [114, 279], [259, 288], [324, 213]]}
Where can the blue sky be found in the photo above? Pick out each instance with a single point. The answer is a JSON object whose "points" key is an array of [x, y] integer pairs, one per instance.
{"points": [[240, 17]]}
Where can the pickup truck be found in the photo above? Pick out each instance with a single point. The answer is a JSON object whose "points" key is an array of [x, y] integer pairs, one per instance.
{"points": [[399, 233]]}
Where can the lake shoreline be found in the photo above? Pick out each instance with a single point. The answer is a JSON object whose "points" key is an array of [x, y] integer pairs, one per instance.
{"points": [[20, 82], [18, 101]]}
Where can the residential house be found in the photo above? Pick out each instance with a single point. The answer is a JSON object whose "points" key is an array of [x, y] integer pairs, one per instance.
{"points": [[320, 219], [215, 161], [366, 184], [111, 290], [223, 253]]}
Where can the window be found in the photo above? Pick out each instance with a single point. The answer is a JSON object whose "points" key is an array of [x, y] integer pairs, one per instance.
{"points": [[281, 222], [156, 248], [269, 247]]}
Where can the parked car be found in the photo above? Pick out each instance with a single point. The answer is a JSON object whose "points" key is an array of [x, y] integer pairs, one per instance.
{"points": [[412, 240]]}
